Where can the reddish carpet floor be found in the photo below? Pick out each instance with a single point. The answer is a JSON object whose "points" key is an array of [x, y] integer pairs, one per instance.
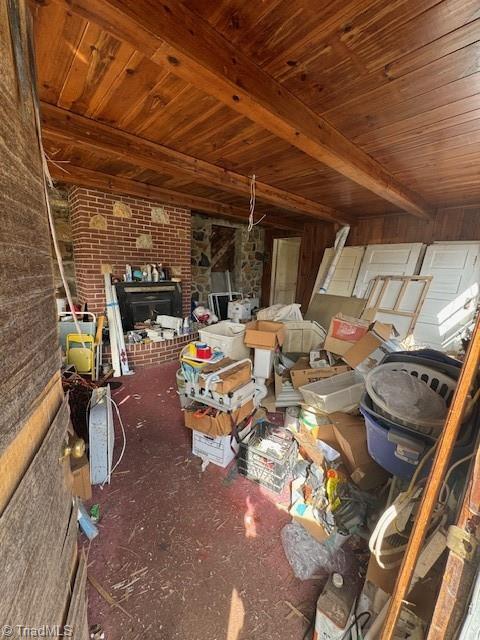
{"points": [[189, 555]]}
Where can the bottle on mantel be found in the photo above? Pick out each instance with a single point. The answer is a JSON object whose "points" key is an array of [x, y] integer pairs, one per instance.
{"points": [[155, 274], [161, 272]]}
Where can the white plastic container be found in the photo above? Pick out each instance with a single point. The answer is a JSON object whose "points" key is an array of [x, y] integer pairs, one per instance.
{"points": [[220, 451], [303, 336], [262, 363], [228, 337], [336, 393]]}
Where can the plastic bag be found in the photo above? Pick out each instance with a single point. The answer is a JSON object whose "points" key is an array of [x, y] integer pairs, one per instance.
{"points": [[281, 312], [309, 558], [407, 396]]}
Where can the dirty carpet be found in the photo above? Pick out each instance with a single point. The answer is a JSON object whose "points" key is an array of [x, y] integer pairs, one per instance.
{"points": [[184, 553]]}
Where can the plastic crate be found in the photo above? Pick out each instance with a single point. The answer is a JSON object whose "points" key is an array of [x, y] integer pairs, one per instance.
{"points": [[336, 393], [261, 476], [228, 337], [267, 456]]}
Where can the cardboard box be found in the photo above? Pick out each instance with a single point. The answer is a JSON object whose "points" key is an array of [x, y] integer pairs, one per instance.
{"points": [[367, 353], [264, 334], [382, 578], [220, 450], [301, 373], [229, 380], [303, 514], [343, 332], [423, 596], [347, 435], [80, 469], [308, 448], [351, 436], [216, 423]]}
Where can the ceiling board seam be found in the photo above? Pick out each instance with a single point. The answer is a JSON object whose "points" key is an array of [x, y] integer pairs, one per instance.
{"points": [[378, 90], [72, 62]]}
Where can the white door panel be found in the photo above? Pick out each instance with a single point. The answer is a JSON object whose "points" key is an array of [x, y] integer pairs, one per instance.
{"points": [[387, 259], [346, 271], [451, 300]]}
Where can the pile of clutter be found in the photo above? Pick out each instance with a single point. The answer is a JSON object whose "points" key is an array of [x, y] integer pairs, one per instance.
{"points": [[362, 419]]}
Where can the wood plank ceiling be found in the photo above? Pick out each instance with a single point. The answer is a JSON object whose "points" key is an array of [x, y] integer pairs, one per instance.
{"points": [[347, 109]]}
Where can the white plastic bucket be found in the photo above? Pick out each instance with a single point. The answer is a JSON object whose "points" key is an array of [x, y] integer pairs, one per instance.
{"points": [[291, 418], [181, 389]]}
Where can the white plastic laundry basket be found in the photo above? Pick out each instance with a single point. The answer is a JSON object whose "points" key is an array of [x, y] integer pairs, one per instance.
{"points": [[438, 382]]}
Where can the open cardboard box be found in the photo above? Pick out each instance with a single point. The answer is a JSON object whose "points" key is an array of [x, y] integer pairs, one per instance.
{"points": [[301, 372], [213, 422], [343, 332], [228, 380], [370, 350], [264, 334], [347, 435], [351, 436], [354, 338], [423, 596]]}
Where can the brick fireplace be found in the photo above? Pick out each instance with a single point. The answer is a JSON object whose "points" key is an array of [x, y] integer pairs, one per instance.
{"points": [[110, 231]]}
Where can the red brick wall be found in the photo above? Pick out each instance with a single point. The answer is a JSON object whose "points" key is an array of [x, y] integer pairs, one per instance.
{"points": [[116, 245], [145, 355]]}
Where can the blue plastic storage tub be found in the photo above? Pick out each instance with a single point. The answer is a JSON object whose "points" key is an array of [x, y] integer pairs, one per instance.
{"points": [[399, 450]]}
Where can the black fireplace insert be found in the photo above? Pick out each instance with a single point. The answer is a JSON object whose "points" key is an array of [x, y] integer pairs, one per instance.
{"points": [[140, 301]]}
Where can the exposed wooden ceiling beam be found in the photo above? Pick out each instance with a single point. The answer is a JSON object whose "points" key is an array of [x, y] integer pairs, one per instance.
{"points": [[151, 155], [174, 37], [72, 174]]}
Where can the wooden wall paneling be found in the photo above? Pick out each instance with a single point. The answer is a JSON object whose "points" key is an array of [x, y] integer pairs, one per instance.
{"points": [[33, 531], [460, 573], [28, 332], [449, 224], [57, 593], [19, 444], [38, 526], [316, 238], [77, 612]]}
